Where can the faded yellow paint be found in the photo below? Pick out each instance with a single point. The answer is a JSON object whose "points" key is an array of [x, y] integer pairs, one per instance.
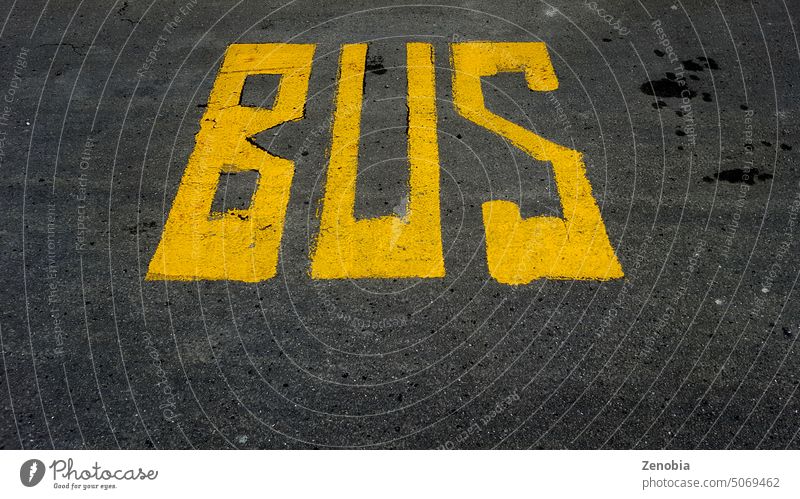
{"points": [[389, 246], [520, 250], [239, 245]]}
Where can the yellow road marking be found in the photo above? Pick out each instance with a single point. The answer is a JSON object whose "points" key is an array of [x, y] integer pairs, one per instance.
{"points": [[388, 246], [520, 250], [239, 245], [244, 244]]}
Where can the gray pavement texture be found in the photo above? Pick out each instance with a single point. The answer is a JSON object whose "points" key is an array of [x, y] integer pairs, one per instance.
{"points": [[694, 348]]}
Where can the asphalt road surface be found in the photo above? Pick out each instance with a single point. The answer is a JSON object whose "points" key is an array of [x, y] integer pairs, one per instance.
{"points": [[686, 116]]}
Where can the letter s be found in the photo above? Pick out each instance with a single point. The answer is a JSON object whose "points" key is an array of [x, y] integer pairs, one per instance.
{"points": [[520, 250]]}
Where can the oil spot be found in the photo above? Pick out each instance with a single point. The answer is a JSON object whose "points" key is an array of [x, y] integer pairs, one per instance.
{"points": [[680, 133], [739, 176], [766, 143], [375, 65], [693, 77], [690, 65], [606, 39], [786, 147], [705, 63], [744, 107], [710, 63], [658, 53], [659, 104], [707, 97], [679, 113], [666, 88]]}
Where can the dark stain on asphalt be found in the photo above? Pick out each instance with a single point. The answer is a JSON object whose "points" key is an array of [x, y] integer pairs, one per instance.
{"points": [[690, 65], [375, 65], [666, 88], [709, 62], [659, 104], [671, 87], [785, 147], [705, 63], [739, 176]]}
